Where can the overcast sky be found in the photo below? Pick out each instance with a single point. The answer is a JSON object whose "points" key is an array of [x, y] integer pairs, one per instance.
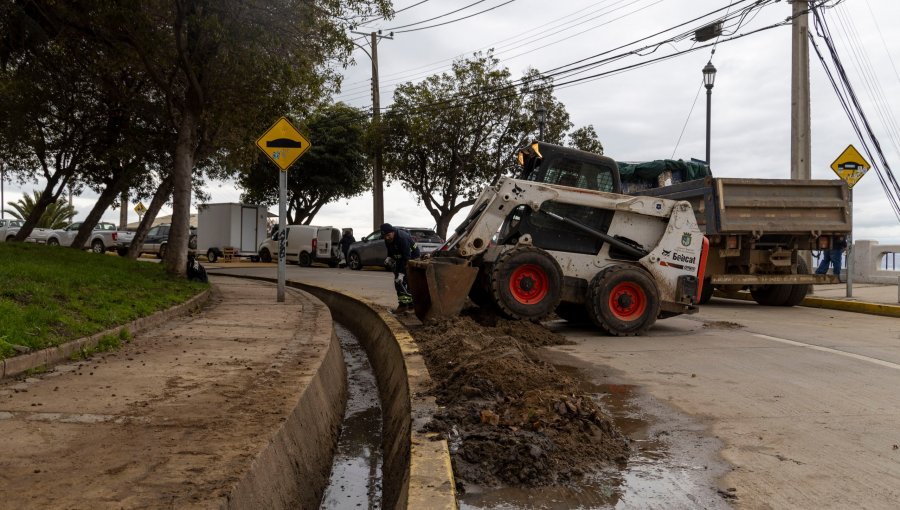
{"points": [[639, 114]]}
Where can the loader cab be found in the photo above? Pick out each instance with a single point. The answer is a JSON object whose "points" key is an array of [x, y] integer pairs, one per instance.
{"points": [[564, 166]]}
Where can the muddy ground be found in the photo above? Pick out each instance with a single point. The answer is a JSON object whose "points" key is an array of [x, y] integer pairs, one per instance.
{"points": [[511, 419]]}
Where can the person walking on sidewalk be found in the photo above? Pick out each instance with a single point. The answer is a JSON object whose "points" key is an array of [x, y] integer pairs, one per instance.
{"points": [[832, 256], [401, 249]]}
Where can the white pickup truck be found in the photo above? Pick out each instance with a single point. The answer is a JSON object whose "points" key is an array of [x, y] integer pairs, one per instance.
{"points": [[104, 237], [8, 229]]}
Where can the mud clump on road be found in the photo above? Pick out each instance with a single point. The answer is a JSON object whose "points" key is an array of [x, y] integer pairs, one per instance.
{"points": [[511, 419]]}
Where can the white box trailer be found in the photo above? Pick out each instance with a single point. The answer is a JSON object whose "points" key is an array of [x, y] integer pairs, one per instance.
{"points": [[238, 226]]}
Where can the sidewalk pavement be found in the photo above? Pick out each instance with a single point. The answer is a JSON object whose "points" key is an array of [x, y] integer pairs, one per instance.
{"points": [[175, 418]]}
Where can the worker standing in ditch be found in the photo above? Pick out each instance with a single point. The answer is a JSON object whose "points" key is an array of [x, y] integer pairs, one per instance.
{"points": [[401, 249]]}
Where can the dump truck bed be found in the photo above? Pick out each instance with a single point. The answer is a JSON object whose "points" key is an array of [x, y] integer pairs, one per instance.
{"points": [[726, 206]]}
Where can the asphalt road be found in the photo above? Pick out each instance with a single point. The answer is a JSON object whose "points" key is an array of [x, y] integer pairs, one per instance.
{"points": [[805, 401]]}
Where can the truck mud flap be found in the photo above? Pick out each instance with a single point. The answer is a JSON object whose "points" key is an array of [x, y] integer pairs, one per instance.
{"points": [[440, 286]]}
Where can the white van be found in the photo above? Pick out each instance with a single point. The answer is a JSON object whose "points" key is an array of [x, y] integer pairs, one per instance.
{"points": [[304, 245]]}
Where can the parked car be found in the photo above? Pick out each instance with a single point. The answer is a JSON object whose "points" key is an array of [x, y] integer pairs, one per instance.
{"points": [[9, 228], [156, 241], [104, 237], [371, 250], [304, 245]]}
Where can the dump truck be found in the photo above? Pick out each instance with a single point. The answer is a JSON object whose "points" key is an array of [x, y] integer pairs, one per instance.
{"points": [[758, 229], [529, 249]]}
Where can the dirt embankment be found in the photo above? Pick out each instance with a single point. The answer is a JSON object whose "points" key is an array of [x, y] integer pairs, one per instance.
{"points": [[510, 418]]}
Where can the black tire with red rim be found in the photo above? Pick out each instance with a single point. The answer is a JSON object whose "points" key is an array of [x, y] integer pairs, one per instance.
{"points": [[623, 301], [526, 283]]}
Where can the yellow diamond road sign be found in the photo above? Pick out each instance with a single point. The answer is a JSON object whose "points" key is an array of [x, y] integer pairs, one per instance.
{"points": [[140, 209], [283, 144], [850, 166]]}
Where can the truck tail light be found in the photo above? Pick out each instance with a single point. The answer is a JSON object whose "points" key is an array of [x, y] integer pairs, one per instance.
{"points": [[824, 242], [731, 242], [315, 245], [115, 236]]}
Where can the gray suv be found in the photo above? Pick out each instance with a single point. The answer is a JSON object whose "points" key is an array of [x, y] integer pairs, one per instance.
{"points": [[371, 251]]}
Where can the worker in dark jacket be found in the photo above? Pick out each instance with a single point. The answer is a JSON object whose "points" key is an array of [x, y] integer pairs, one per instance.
{"points": [[401, 249], [346, 241]]}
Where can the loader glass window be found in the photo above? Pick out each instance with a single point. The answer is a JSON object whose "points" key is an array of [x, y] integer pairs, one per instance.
{"points": [[578, 174]]}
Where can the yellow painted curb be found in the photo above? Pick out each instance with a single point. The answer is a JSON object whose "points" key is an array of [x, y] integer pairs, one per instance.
{"points": [[866, 307]]}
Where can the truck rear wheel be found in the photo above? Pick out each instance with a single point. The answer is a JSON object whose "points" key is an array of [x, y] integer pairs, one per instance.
{"points": [[212, 256], [304, 259], [623, 301], [798, 292], [97, 246], [526, 283]]}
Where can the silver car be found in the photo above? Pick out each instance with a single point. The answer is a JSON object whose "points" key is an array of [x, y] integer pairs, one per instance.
{"points": [[371, 250]]}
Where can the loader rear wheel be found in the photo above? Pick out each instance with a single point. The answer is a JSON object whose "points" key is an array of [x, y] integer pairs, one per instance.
{"points": [[623, 301], [526, 283]]}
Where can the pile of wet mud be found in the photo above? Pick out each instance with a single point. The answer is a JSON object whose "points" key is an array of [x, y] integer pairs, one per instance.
{"points": [[511, 419]]}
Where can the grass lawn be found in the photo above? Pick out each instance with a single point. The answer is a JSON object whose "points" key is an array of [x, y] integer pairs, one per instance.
{"points": [[50, 295]]}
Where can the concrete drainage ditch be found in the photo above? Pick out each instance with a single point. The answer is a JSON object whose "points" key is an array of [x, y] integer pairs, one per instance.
{"points": [[416, 471]]}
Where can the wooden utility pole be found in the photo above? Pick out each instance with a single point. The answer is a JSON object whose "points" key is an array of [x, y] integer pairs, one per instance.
{"points": [[800, 104], [377, 177], [377, 173]]}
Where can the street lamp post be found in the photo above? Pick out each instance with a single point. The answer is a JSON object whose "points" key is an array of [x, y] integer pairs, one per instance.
{"points": [[542, 117], [709, 79]]}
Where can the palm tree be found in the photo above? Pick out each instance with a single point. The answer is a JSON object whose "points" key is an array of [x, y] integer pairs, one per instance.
{"points": [[57, 215]]}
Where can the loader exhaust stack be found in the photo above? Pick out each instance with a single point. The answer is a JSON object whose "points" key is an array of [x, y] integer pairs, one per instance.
{"points": [[440, 286]]}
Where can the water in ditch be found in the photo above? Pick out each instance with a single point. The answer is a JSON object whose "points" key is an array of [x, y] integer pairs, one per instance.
{"points": [[673, 463], [356, 473]]}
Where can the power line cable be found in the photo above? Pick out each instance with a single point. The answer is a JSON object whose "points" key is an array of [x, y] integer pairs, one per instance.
{"points": [[455, 20], [756, 4], [393, 29]]}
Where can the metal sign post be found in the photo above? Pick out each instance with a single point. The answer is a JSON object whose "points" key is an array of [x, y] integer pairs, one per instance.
{"points": [[282, 234], [850, 166], [284, 145]]}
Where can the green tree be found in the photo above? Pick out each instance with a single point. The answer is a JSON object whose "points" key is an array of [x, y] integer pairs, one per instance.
{"points": [[223, 71], [449, 135], [334, 167], [586, 139], [57, 215]]}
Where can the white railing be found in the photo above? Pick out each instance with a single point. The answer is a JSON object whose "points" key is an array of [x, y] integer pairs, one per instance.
{"points": [[875, 263]]}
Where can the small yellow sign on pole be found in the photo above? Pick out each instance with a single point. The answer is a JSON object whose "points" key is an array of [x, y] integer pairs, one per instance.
{"points": [[283, 143], [850, 166], [140, 209]]}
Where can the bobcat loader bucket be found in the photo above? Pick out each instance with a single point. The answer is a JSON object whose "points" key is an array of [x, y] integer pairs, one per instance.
{"points": [[439, 286]]}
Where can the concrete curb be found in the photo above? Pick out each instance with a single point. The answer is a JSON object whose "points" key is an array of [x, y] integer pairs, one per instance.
{"points": [[417, 468], [885, 310], [293, 470], [18, 365]]}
